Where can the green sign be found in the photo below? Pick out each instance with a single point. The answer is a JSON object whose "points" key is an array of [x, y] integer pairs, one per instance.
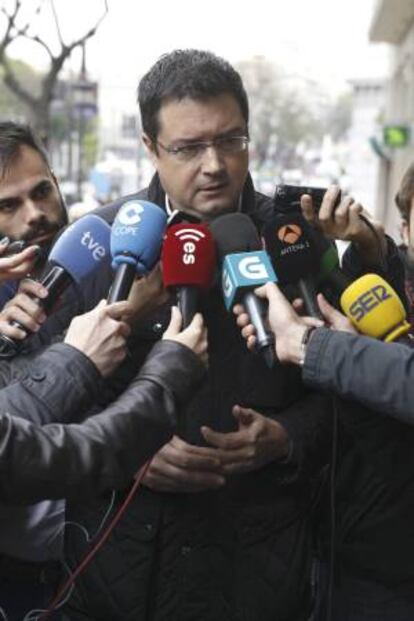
{"points": [[396, 135]]}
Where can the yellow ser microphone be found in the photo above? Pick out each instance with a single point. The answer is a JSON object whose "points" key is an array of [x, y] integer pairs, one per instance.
{"points": [[374, 308]]}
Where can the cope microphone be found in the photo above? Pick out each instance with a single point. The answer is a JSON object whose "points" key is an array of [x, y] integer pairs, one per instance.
{"points": [[136, 238], [188, 259], [289, 243], [374, 308], [79, 251], [245, 266]]}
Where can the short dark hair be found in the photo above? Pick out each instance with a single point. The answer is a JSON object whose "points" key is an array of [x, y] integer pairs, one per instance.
{"points": [[405, 193], [12, 137], [189, 73]]}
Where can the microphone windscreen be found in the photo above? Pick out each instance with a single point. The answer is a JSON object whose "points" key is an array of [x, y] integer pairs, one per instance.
{"points": [[136, 235], [188, 256], [374, 308], [82, 247], [288, 242], [234, 232]]}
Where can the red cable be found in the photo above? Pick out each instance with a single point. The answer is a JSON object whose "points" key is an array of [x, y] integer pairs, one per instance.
{"points": [[90, 555]]}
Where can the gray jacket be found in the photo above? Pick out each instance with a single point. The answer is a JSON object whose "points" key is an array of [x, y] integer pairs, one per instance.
{"points": [[378, 375]]}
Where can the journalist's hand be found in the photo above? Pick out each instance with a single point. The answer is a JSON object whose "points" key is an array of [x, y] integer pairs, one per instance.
{"points": [[24, 309], [345, 222], [101, 335], [147, 293], [194, 336], [18, 265]]}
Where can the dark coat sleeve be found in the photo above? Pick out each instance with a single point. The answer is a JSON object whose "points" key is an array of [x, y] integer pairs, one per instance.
{"points": [[58, 385], [378, 375], [105, 451]]}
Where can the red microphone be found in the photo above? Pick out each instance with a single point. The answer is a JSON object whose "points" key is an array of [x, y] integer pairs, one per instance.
{"points": [[188, 259]]}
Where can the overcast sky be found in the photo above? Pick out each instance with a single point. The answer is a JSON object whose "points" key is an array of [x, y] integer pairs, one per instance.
{"points": [[326, 40]]}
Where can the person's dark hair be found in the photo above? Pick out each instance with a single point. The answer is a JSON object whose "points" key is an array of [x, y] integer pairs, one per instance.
{"points": [[12, 137], [189, 73], [406, 193]]}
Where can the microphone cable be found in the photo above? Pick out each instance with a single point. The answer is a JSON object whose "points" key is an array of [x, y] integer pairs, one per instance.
{"points": [[332, 509], [89, 556]]}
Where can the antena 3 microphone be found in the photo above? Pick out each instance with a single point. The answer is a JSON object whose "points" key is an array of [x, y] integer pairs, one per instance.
{"points": [[188, 259], [79, 251], [289, 244], [245, 266], [374, 308], [136, 238]]}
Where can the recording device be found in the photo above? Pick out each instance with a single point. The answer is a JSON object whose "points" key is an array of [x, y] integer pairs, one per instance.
{"points": [[288, 241], [245, 266], [188, 259], [136, 238], [79, 251], [14, 248], [374, 308], [287, 197]]}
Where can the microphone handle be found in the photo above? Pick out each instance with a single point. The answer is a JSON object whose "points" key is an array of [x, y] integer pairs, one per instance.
{"points": [[265, 340], [308, 293], [121, 286], [188, 302]]}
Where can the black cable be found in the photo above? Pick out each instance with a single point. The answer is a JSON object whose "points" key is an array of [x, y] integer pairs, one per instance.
{"points": [[332, 508], [382, 256]]}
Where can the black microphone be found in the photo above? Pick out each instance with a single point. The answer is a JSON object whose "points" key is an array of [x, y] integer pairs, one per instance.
{"points": [[288, 240], [245, 266]]}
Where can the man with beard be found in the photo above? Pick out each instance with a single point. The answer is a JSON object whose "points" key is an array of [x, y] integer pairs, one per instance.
{"points": [[405, 200], [31, 210]]}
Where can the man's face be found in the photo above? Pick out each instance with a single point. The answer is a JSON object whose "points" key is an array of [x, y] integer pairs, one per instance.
{"points": [[210, 183], [31, 207]]}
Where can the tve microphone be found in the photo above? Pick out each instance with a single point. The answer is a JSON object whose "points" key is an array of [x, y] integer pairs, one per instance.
{"points": [[136, 238], [289, 243], [245, 266], [80, 250], [188, 259], [374, 308]]}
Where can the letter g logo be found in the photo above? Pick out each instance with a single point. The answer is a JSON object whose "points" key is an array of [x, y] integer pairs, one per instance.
{"points": [[252, 268]]}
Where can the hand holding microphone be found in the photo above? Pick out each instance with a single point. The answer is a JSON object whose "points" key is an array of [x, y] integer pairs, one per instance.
{"points": [[80, 250], [188, 265], [244, 267], [101, 335], [136, 238]]}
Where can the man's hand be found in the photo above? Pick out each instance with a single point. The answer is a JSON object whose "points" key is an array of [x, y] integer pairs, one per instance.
{"points": [[181, 467], [194, 336], [24, 309], [287, 326], [18, 265], [345, 222], [258, 441], [101, 335], [147, 293]]}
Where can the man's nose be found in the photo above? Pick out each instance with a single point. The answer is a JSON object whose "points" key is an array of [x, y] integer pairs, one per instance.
{"points": [[32, 211], [213, 161]]}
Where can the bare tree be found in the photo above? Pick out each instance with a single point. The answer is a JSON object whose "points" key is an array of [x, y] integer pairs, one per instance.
{"points": [[18, 28]]}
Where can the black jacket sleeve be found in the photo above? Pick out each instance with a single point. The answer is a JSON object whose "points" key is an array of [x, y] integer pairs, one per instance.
{"points": [[378, 375], [107, 449], [58, 385]]}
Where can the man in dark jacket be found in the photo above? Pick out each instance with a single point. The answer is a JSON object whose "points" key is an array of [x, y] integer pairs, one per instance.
{"points": [[217, 533]]}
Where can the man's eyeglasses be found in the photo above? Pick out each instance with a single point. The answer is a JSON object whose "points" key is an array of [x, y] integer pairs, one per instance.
{"points": [[193, 150]]}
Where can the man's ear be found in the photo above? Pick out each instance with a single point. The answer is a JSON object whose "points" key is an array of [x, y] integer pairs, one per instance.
{"points": [[150, 149], [405, 232]]}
